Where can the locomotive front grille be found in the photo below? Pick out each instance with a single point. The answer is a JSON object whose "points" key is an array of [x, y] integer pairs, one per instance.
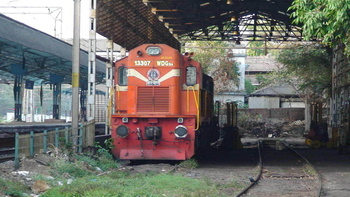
{"points": [[153, 99]]}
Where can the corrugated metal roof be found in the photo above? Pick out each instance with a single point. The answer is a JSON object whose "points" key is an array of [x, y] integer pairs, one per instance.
{"points": [[131, 23], [261, 64], [40, 53], [280, 90]]}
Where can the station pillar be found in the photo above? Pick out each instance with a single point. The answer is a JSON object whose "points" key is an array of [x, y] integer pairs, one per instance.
{"points": [[17, 90], [19, 71], [83, 108], [56, 81]]}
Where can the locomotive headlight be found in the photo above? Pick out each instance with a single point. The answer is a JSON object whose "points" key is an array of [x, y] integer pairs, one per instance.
{"points": [[181, 131], [122, 131], [153, 50]]}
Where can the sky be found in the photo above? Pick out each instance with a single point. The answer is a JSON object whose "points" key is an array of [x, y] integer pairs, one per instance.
{"points": [[54, 17]]}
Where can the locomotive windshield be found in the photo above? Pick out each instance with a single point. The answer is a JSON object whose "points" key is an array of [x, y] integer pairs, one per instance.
{"points": [[153, 51], [191, 76], [122, 78]]}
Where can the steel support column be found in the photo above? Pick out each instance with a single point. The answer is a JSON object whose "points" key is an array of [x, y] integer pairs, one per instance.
{"points": [[56, 112], [83, 112], [19, 71], [17, 91], [56, 81], [91, 93], [109, 85]]}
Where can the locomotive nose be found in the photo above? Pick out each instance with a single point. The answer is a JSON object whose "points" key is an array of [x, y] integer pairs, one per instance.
{"points": [[153, 132]]}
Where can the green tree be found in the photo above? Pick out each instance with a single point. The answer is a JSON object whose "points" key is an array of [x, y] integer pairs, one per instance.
{"points": [[327, 20], [256, 52], [307, 68], [249, 88], [7, 103], [217, 61]]}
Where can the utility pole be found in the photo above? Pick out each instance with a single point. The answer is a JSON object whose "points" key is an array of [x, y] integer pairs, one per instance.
{"points": [[75, 73]]}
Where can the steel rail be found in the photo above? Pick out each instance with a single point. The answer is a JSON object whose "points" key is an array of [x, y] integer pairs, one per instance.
{"points": [[257, 178], [319, 194]]}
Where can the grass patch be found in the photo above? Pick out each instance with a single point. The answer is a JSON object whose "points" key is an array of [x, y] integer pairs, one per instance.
{"points": [[234, 184], [86, 164], [189, 164], [11, 188], [66, 169], [130, 185], [308, 169]]}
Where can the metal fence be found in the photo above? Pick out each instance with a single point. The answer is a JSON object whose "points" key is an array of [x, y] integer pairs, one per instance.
{"points": [[39, 142]]}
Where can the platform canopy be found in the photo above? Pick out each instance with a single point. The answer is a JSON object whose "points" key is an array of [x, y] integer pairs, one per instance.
{"points": [[38, 56], [133, 22]]}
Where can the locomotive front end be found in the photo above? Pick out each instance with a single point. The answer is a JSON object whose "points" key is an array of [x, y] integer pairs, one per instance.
{"points": [[149, 121]]}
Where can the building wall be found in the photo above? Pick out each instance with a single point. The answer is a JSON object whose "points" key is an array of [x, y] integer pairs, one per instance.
{"points": [[264, 102], [228, 98], [292, 104], [274, 115], [240, 60]]}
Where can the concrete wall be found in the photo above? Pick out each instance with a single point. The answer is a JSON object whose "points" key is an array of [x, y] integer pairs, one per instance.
{"points": [[292, 104], [264, 102], [223, 98], [274, 115]]}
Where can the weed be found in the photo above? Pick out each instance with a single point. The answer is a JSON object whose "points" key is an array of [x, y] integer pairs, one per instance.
{"points": [[190, 164], [98, 158], [11, 188], [234, 184], [308, 169], [63, 168]]}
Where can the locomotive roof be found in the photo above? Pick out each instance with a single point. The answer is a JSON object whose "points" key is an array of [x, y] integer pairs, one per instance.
{"points": [[134, 22]]}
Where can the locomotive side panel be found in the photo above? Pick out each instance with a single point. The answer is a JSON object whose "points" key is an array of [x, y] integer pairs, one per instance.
{"points": [[190, 86], [121, 86]]}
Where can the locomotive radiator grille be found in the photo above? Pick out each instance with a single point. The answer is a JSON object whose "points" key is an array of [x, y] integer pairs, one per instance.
{"points": [[153, 99]]}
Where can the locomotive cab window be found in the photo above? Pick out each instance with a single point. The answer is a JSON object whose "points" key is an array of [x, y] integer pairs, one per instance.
{"points": [[153, 51], [191, 76], [122, 76]]}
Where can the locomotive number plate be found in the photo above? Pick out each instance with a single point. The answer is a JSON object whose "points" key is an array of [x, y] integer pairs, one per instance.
{"points": [[142, 63]]}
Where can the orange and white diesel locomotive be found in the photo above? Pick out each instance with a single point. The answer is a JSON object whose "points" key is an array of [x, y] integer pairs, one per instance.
{"points": [[163, 105]]}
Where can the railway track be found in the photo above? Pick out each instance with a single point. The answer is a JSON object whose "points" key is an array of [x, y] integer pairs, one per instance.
{"points": [[7, 154], [7, 148], [283, 173]]}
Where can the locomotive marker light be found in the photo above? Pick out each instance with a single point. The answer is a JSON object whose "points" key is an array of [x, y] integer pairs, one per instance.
{"points": [[180, 120], [125, 120], [139, 53], [122, 131], [181, 131]]}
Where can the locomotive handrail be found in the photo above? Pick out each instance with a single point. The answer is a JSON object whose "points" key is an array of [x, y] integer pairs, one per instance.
{"points": [[196, 102], [110, 105], [118, 96]]}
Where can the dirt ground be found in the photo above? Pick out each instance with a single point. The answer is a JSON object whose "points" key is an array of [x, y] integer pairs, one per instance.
{"points": [[228, 168]]}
